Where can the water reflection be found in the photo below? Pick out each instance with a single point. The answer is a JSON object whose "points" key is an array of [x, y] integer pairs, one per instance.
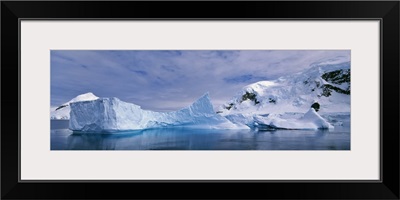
{"points": [[191, 139]]}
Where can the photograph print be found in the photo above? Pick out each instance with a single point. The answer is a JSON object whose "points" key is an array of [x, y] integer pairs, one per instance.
{"points": [[200, 100]]}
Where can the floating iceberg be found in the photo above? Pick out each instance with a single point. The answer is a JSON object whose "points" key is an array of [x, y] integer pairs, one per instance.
{"points": [[112, 114], [310, 120]]}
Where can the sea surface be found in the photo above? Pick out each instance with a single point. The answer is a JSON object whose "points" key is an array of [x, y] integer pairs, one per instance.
{"points": [[195, 139]]}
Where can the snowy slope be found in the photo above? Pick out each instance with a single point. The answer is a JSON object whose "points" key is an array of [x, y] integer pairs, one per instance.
{"points": [[62, 111], [112, 114], [326, 83]]}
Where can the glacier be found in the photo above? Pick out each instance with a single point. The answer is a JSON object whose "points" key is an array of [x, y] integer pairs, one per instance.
{"points": [[105, 115]]}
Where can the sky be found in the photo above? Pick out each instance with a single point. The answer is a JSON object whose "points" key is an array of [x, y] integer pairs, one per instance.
{"points": [[162, 80]]}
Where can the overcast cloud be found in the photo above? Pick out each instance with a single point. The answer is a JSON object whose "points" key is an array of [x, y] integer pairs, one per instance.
{"points": [[170, 80]]}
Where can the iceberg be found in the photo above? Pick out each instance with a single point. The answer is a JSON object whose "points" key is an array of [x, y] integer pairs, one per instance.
{"points": [[310, 120], [111, 114]]}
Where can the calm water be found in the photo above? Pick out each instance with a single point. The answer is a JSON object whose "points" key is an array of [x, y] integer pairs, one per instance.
{"points": [[189, 139]]}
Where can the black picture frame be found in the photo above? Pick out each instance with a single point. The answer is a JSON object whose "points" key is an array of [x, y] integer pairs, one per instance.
{"points": [[386, 11]]}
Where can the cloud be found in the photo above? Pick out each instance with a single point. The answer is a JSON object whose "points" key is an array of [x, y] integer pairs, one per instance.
{"points": [[248, 78], [169, 80], [140, 72]]}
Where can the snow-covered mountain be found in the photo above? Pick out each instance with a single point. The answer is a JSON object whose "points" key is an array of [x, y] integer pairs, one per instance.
{"points": [[112, 114], [62, 111], [325, 83]]}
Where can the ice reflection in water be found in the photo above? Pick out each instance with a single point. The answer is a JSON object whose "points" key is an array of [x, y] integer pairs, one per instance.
{"points": [[192, 139]]}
